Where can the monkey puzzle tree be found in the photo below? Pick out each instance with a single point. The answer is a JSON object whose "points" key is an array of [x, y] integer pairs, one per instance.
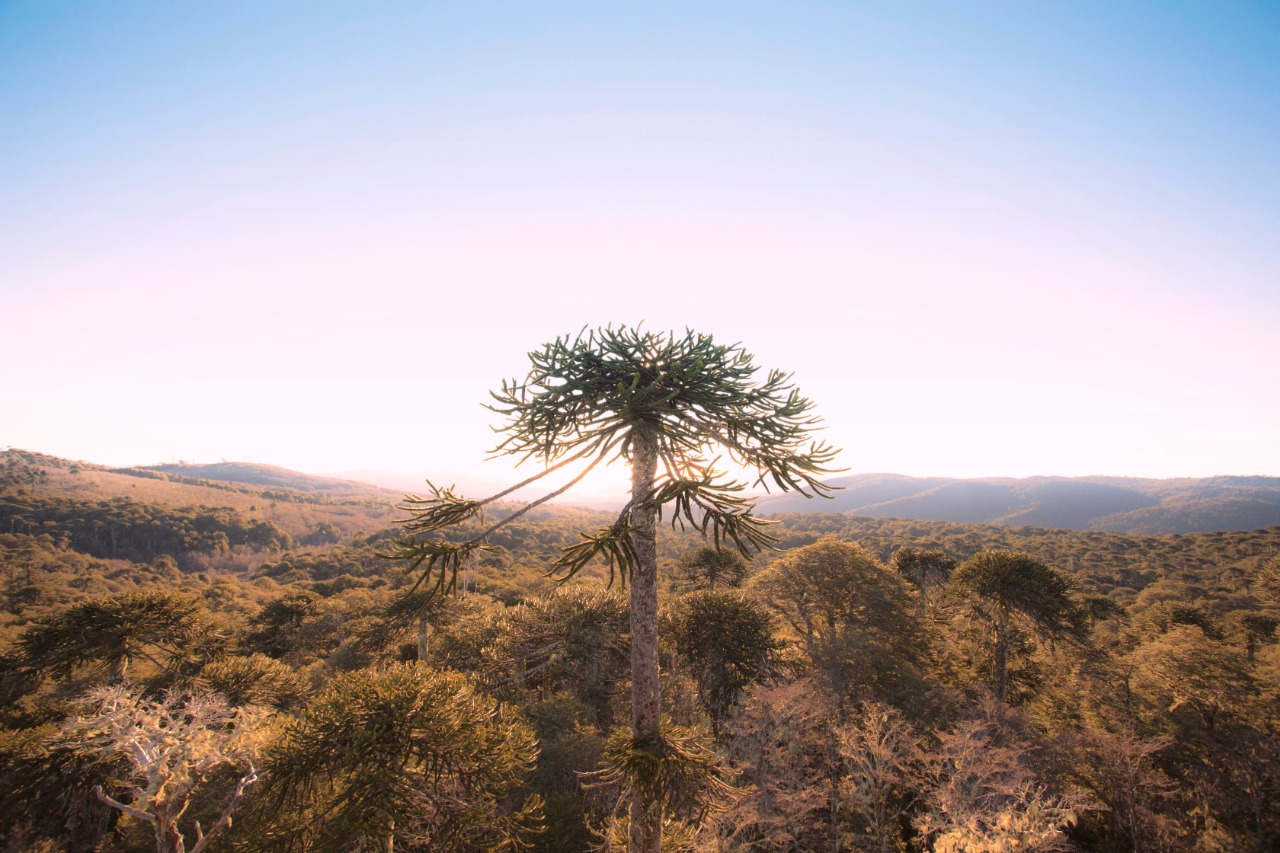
{"points": [[164, 628], [725, 639], [855, 620], [400, 758], [1267, 582], [1005, 589], [707, 567], [923, 569], [668, 404], [575, 638]]}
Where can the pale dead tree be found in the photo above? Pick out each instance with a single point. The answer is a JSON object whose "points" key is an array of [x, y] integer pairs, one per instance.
{"points": [[779, 737], [878, 751], [1122, 772], [980, 798], [172, 744]]}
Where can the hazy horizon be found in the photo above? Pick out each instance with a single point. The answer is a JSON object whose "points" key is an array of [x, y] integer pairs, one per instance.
{"points": [[1004, 241], [601, 483]]}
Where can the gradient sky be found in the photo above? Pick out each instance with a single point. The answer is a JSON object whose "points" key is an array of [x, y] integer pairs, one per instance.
{"points": [[989, 239]]}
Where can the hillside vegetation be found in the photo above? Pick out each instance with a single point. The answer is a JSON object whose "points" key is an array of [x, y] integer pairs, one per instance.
{"points": [[865, 686]]}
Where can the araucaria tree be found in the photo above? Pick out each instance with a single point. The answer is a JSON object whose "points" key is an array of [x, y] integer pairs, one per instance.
{"points": [[670, 405], [1006, 589]]}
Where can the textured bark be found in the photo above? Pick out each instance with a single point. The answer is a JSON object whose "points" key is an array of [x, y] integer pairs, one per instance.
{"points": [[168, 838], [646, 697], [1001, 665], [119, 670], [923, 606], [422, 639]]}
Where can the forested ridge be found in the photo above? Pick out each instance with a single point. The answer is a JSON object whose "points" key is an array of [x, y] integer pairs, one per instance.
{"points": [[872, 684], [1132, 504]]}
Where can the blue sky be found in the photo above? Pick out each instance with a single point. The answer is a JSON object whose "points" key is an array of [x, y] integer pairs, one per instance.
{"points": [[997, 239]]}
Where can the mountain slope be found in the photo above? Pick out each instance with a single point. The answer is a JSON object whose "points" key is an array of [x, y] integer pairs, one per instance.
{"points": [[1076, 503], [260, 475], [299, 502]]}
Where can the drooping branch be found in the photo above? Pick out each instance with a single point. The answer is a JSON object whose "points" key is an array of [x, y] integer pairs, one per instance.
{"points": [[445, 509], [557, 493], [442, 559], [442, 509], [704, 502], [679, 769], [530, 480]]}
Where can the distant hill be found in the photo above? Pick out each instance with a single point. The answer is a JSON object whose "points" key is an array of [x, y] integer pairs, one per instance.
{"points": [[260, 475], [1119, 504], [1122, 504], [298, 504]]}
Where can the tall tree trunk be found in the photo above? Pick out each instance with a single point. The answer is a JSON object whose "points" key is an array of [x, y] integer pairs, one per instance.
{"points": [[923, 604], [833, 786], [119, 669], [646, 696], [168, 838], [422, 639], [1001, 664]]}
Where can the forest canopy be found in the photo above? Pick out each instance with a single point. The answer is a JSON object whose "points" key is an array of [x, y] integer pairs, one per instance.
{"points": [[869, 721]]}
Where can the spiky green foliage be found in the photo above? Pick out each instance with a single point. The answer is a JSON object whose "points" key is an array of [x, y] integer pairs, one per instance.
{"points": [[586, 392], [253, 680], [1022, 586], [924, 569], [725, 640], [163, 628], [854, 618], [679, 772], [1267, 582], [405, 755], [709, 568], [436, 558], [577, 639], [1004, 589], [588, 398], [50, 784]]}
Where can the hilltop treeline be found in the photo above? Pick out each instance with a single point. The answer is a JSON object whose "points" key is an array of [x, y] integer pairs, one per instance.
{"points": [[19, 468], [137, 531]]}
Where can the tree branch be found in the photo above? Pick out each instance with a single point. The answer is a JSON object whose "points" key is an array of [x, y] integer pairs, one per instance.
{"points": [[130, 810], [557, 493], [518, 486], [203, 840]]}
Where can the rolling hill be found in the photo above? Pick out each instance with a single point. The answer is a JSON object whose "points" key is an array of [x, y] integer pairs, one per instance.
{"points": [[1121, 504], [363, 499]]}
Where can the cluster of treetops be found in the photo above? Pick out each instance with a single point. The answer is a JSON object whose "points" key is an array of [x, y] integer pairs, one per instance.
{"points": [[874, 684]]}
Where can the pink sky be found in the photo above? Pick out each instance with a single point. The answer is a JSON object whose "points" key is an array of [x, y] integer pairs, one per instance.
{"points": [[320, 252]]}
